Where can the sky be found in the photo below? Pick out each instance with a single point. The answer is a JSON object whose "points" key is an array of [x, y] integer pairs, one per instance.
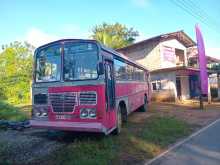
{"points": [[42, 21]]}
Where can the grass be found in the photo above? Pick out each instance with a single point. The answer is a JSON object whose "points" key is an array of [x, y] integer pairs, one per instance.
{"points": [[163, 131], [10, 112], [136, 143], [87, 151]]}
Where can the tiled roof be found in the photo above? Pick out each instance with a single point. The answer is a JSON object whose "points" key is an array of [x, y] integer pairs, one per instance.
{"points": [[181, 36]]}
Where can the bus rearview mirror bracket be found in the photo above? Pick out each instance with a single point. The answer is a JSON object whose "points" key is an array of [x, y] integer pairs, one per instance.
{"points": [[100, 68]]}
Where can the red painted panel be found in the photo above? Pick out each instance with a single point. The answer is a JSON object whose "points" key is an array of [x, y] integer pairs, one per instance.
{"points": [[135, 92], [75, 115]]}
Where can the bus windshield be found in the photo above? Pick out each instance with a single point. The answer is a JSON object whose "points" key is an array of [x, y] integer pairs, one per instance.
{"points": [[48, 64], [80, 61]]}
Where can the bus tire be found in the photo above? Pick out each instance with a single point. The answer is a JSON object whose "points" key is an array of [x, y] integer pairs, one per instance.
{"points": [[117, 131], [144, 107]]}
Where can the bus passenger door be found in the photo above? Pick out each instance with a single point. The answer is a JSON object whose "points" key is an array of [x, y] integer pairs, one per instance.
{"points": [[110, 94]]}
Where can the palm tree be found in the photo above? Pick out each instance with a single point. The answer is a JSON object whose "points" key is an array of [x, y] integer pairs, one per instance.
{"points": [[114, 35], [112, 41]]}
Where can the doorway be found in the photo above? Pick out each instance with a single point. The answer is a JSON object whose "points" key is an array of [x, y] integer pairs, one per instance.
{"points": [[178, 87]]}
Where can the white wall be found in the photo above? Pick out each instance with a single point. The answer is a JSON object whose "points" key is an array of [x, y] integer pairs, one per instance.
{"points": [[146, 54], [173, 43], [168, 81]]}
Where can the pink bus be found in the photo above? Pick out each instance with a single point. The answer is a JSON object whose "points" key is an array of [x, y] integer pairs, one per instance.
{"points": [[80, 85]]}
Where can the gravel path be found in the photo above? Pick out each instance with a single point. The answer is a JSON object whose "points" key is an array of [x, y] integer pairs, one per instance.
{"points": [[30, 145]]}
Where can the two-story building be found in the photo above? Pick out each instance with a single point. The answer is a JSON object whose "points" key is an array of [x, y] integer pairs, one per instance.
{"points": [[173, 75]]}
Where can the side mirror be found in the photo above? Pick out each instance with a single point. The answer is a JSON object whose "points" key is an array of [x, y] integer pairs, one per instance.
{"points": [[100, 68]]}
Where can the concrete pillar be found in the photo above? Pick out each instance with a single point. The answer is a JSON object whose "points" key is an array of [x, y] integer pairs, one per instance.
{"points": [[175, 91]]}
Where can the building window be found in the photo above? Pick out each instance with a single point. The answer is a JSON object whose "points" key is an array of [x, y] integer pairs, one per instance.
{"points": [[156, 85], [180, 59]]}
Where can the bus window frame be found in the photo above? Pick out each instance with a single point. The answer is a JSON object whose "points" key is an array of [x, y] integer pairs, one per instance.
{"points": [[98, 56], [35, 62], [61, 43], [133, 65]]}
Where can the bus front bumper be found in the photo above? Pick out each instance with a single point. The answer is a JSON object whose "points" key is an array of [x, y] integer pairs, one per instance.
{"points": [[70, 126]]}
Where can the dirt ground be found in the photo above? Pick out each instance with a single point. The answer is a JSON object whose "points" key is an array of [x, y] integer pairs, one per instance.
{"points": [[33, 144], [189, 112]]}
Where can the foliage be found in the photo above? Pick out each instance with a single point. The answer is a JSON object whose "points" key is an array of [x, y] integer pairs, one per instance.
{"points": [[16, 72], [114, 35], [9, 112]]}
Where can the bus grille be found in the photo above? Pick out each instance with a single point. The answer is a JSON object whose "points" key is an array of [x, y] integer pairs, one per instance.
{"points": [[40, 98], [88, 98], [63, 102]]}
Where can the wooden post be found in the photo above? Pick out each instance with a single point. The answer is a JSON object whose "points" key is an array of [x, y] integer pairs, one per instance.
{"points": [[209, 92], [201, 105]]}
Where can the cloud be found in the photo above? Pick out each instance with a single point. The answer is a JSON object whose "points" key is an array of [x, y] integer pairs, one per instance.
{"points": [[38, 37], [140, 3], [213, 52]]}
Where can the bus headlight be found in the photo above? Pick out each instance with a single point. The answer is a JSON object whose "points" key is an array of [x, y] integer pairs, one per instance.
{"points": [[37, 114], [88, 113], [40, 111], [92, 113], [44, 114], [84, 113]]}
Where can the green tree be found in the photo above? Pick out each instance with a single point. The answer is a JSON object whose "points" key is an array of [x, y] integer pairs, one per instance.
{"points": [[114, 35], [16, 72]]}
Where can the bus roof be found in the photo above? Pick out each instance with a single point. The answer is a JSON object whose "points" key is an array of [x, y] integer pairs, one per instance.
{"points": [[112, 51]]}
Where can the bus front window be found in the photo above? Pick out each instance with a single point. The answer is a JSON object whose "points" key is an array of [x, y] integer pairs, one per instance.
{"points": [[80, 61], [48, 64]]}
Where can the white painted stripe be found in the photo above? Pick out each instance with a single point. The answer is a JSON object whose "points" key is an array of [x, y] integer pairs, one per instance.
{"points": [[181, 142]]}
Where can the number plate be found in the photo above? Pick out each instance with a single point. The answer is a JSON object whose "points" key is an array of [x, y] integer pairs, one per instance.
{"points": [[64, 117]]}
